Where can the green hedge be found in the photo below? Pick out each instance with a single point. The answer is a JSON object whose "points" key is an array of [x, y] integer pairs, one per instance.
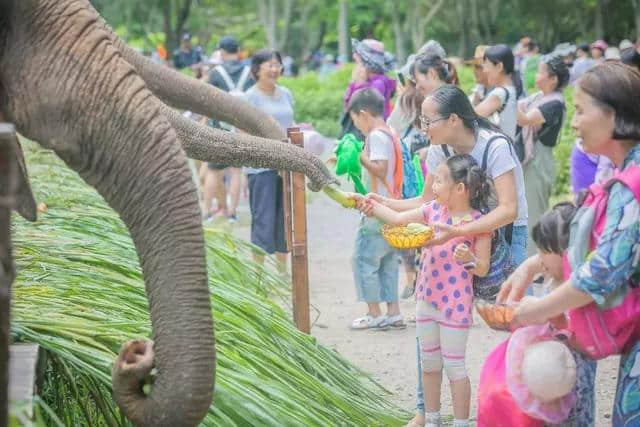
{"points": [[319, 102]]}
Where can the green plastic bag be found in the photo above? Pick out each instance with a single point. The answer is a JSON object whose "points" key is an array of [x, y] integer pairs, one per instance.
{"points": [[348, 161]]}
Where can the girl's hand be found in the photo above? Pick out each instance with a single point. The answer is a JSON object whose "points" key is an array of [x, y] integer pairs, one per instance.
{"points": [[444, 233], [527, 312], [463, 254], [377, 198], [359, 198], [365, 205]]}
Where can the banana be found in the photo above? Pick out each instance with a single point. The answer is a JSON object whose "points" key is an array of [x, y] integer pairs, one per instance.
{"points": [[340, 197], [417, 228]]}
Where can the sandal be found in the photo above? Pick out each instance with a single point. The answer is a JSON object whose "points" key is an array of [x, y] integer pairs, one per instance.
{"points": [[415, 422], [393, 322], [367, 322]]}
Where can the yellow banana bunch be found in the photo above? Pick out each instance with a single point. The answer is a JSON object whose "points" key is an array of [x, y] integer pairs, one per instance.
{"points": [[340, 197]]}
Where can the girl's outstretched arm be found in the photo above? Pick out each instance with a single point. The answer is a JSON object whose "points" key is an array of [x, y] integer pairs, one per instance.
{"points": [[392, 217]]}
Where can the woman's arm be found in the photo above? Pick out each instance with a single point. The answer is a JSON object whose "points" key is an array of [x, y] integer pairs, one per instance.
{"points": [[529, 118], [565, 297], [401, 205], [392, 217], [483, 255], [506, 212], [489, 105], [514, 287]]}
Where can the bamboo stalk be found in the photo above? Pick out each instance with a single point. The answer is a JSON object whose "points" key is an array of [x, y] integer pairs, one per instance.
{"points": [[299, 259]]}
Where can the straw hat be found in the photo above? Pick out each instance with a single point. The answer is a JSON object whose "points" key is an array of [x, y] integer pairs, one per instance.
{"points": [[478, 55]]}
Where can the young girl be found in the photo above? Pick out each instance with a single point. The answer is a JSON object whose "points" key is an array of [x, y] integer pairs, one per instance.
{"points": [[444, 287]]}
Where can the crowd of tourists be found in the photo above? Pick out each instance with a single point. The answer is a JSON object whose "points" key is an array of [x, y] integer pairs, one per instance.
{"points": [[479, 168], [488, 172]]}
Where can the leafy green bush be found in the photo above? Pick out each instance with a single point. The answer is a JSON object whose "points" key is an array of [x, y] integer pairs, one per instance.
{"points": [[319, 101]]}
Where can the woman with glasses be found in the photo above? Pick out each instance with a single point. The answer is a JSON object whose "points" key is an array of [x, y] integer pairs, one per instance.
{"points": [[265, 185], [541, 116], [453, 127]]}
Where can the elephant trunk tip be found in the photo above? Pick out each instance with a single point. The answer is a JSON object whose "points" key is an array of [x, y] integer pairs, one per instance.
{"points": [[131, 371]]}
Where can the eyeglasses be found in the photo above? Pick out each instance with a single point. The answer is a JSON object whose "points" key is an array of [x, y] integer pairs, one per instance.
{"points": [[425, 122]]}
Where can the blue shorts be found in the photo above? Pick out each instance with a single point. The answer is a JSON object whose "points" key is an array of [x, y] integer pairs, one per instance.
{"points": [[375, 265]]}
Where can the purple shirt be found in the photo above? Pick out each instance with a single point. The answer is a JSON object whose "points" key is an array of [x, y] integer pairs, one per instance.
{"points": [[379, 82]]}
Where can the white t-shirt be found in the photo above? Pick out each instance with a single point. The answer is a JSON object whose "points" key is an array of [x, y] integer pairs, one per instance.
{"points": [[379, 146], [500, 160], [508, 116]]}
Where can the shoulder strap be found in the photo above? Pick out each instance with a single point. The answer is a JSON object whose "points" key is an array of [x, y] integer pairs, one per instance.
{"points": [[445, 150], [407, 132], [226, 77], [243, 78], [485, 154], [508, 229], [398, 175], [506, 99], [630, 177]]}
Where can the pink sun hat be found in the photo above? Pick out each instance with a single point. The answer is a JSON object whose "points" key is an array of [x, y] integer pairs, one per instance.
{"points": [[541, 390]]}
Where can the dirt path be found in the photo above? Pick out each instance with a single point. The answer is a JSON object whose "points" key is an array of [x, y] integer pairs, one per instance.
{"points": [[389, 356]]}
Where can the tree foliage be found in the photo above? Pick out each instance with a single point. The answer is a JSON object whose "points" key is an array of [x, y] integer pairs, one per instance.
{"points": [[300, 27]]}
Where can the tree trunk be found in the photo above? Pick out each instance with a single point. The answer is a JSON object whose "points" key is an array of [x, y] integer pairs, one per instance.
{"points": [[599, 24], [398, 32], [172, 43], [174, 34], [286, 14], [267, 12], [636, 16], [343, 32], [462, 9]]}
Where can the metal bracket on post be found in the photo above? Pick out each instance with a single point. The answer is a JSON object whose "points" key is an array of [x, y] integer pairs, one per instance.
{"points": [[296, 230]]}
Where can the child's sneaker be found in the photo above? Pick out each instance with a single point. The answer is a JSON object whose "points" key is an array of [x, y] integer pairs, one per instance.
{"points": [[367, 322]]}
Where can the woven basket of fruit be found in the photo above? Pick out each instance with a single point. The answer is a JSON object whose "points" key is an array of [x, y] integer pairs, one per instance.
{"points": [[411, 236], [497, 316]]}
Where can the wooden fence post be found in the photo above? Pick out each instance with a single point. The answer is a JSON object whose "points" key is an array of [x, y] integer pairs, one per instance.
{"points": [[299, 258], [8, 186]]}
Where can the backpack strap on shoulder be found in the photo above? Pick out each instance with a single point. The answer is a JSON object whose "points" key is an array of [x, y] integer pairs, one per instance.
{"points": [[226, 77], [508, 229], [630, 177], [506, 99], [398, 175], [242, 81]]}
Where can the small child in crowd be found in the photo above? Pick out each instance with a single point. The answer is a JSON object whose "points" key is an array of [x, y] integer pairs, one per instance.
{"points": [[375, 263], [444, 286]]}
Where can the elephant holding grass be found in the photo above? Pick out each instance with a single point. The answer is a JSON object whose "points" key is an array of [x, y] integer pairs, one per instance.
{"points": [[69, 83]]}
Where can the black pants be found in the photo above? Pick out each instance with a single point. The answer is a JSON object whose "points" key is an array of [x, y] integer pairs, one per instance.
{"points": [[267, 211]]}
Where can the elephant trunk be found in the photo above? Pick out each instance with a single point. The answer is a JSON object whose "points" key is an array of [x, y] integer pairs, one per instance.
{"points": [[186, 93], [145, 178]]}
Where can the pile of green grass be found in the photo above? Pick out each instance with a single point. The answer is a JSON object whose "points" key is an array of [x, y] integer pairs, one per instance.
{"points": [[79, 294]]}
